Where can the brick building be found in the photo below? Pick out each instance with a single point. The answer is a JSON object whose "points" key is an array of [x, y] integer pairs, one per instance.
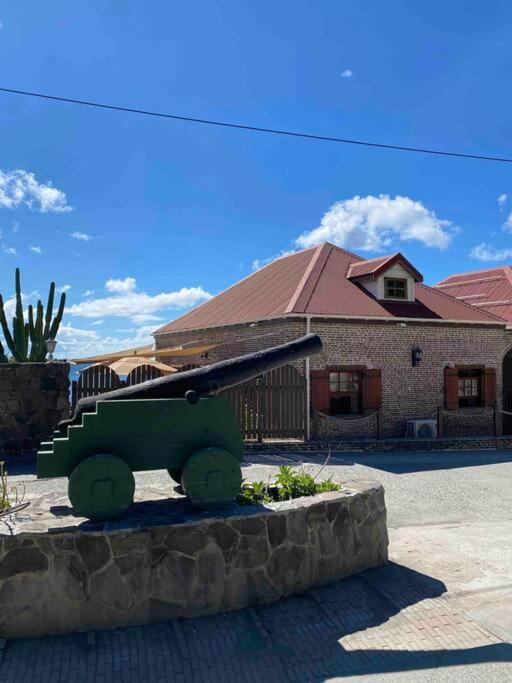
{"points": [[394, 351], [488, 289]]}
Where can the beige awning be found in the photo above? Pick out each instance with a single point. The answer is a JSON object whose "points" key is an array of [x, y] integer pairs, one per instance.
{"points": [[181, 351], [124, 366], [115, 355]]}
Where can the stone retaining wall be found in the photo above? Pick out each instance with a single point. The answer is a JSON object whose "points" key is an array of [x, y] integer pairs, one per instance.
{"points": [[100, 576], [34, 397]]}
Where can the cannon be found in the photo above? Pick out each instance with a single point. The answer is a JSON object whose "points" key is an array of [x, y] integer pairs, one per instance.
{"points": [[174, 423]]}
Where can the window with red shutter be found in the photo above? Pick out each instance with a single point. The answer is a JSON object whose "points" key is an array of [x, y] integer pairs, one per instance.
{"points": [[451, 388], [373, 390], [490, 387], [320, 395]]}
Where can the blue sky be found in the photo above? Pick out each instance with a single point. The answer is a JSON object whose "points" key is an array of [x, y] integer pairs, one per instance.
{"points": [[150, 216]]}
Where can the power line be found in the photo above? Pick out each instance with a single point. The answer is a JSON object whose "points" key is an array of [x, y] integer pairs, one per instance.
{"points": [[258, 129]]}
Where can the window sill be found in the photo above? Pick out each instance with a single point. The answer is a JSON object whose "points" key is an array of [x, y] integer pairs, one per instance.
{"points": [[343, 418]]}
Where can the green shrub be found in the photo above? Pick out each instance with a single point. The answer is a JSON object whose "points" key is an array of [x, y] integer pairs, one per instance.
{"points": [[4, 489], [289, 483]]}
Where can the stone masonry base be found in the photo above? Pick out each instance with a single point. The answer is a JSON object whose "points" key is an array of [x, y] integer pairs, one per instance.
{"points": [[62, 579]]}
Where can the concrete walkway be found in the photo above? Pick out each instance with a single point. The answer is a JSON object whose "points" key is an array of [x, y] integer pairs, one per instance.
{"points": [[441, 610]]}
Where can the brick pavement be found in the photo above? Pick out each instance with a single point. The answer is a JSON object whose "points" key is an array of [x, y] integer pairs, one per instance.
{"points": [[390, 619]]}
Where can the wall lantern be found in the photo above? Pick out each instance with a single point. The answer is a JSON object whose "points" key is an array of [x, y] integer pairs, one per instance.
{"points": [[50, 347], [416, 356]]}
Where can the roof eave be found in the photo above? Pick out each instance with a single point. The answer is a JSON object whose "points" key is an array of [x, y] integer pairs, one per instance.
{"points": [[337, 316]]}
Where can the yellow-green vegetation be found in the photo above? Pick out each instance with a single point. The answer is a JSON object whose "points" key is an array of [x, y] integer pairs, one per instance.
{"points": [[289, 483], [4, 488]]}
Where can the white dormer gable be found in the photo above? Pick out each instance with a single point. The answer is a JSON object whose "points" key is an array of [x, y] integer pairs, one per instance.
{"points": [[388, 278]]}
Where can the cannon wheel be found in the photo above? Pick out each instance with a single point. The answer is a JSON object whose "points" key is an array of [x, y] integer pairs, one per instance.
{"points": [[175, 474], [212, 478], [101, 487]]}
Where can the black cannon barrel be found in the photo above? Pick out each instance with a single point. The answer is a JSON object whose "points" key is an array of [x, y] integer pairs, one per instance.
{"points": [[205, 380]]}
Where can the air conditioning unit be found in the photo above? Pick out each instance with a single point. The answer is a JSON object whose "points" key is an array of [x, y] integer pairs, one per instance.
{"points": [[421, 429]]}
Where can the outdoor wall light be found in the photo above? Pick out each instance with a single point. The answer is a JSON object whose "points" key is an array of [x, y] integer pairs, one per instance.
{"points": [[50, 347], [416, 356]]}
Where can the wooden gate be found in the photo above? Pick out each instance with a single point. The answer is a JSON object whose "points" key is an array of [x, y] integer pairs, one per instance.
{"points": [[93, 381], [142, 373], [272, 406]]}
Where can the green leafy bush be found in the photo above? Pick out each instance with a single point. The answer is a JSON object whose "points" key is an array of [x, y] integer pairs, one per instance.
{"points": [[289, 483]]}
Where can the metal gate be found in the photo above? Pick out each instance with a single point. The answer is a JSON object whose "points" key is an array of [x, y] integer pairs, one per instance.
{"points": [[272, 406]]}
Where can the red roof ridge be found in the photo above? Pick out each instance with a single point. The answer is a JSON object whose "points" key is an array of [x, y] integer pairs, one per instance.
{"points": [[463, 303], [308, 282], [471, 272]]}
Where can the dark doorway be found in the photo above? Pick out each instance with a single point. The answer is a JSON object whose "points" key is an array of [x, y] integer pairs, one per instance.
{"points": [[507, 393]]}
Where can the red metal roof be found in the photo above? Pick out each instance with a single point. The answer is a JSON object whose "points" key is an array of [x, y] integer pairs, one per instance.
{"points": [[377, 266], [488, 289], [315, 282]]}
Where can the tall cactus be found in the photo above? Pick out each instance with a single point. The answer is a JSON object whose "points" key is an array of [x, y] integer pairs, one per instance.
{"points": [[3, 357], [33, 330]]}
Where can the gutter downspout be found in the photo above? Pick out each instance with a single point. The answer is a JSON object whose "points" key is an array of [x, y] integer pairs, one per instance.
{"points": [[308, 385]]}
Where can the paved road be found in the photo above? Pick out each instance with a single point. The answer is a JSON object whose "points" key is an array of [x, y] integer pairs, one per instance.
{"points": [[441, 610]]}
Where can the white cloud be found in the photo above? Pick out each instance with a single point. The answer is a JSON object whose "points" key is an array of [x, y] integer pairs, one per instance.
{"points": [[347, 73], [15, 227], [10, 250], [36, 250], [10, 304], [21, 187], [82, 236], [129, 284], [486, 252], [126, 302], [88, 292], [507, 225], [259, 263], [502, 198], [97, 322], [64, 288], [376, 223]]}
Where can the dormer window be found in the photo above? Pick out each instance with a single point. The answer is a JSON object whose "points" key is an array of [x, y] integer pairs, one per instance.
{"points": [[395, 288], [387, 278]]}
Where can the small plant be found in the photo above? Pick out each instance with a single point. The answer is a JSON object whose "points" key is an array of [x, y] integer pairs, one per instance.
{"points": [[289, 484], [33, 331], [4, 488]]}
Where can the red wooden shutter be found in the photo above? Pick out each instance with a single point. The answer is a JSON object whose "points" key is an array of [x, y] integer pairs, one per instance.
{"points": [[451, 388], [489, 388], [373, 389], [320, 394]]}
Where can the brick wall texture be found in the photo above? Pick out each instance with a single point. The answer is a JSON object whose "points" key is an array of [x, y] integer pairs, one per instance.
{"points": [[34, 397], [407, 392]]}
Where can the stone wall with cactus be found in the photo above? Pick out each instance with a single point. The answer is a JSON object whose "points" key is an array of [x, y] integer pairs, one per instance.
{"points": [[34, 331], [34, 397]]}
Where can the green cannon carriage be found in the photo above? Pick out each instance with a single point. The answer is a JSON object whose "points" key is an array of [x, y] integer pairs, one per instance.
{"points": [[149, 426]]}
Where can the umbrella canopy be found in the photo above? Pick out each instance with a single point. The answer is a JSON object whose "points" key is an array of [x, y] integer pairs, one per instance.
{"points": [[124, 366]]}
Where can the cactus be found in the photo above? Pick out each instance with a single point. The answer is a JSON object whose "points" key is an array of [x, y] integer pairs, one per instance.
{"points": [[32, 330], [3, 357]]}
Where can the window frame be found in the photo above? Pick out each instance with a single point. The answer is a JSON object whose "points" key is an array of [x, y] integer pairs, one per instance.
{"points": [[351, 369], [471, 401], [404, 280]]}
